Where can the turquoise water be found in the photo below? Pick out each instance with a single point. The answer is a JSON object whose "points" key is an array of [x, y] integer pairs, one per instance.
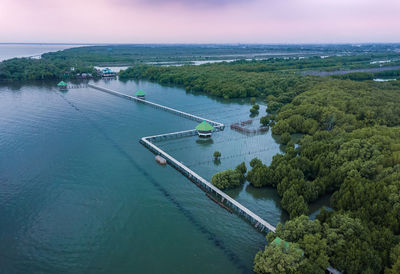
{"points": [[79, 194]]}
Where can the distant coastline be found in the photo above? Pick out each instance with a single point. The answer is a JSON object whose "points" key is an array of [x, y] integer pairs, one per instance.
{"points": [[32, 50]]}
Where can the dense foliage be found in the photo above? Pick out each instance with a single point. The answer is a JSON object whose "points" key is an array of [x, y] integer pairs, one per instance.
{"points": [[228, 80], [351, 56], [275, 78], [226, 179], [361, 76], [57, 65], [341, 240], [351, 148], [278, 259], [24, 69], [230, 178]]}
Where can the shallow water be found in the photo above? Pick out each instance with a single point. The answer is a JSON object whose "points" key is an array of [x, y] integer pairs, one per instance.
{"points": [[8, 51], [384, 80], [80, 194]]}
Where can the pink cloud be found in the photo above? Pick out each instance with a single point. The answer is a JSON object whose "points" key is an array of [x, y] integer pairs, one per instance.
{"points": [[256, 21], [189, 4]]}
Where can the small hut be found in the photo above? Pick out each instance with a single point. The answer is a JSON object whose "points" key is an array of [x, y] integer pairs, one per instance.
{"points": [[140, 94], [108, 73], [62, 85], [204, 129]]}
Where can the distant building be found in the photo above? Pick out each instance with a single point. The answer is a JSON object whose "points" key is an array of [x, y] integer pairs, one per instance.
{"points": [[62, 85], [106, 72], [204, 129], [140, 94]]}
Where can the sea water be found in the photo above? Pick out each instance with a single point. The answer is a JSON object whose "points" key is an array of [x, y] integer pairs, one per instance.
{"points": [[79, 194]]}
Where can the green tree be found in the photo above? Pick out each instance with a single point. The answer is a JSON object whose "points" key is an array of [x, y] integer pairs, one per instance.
{"points": [[217, 155], [253, 111], [259, 176], [309, 236], [281, 127], [278, 259], [227, 179], [265, 121], [395, 269], [394, 260], [273, 107], [242, 168], [255, 162], [285, 138], [294, 203], [349, 245]]}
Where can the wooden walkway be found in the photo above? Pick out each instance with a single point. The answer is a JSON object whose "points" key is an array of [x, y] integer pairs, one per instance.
{"points": [[206, 186], [216, 125], [254, 219]]}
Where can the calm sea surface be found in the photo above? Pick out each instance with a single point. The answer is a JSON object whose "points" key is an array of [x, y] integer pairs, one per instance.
{"points": [[79, 194], [8, 51]]}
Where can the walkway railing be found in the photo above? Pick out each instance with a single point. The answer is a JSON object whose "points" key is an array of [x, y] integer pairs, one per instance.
{"points": [[254, 219], [206, 186], [216, 125]]}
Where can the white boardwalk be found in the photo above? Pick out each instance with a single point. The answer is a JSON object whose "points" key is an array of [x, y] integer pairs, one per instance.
{"points": [[155, 105], [253, 218]]}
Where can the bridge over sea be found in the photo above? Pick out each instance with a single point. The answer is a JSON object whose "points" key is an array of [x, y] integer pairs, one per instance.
{"points": [[149, 142], [223, 199]]}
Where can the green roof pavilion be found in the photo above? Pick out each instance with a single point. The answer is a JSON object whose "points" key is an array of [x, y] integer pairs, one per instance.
{"points": [[140, 93], [62, 84], [204, 126], [279, 242]]}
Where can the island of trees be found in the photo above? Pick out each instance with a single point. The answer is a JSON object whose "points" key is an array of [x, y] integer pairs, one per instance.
{"points": [[230, 178]]}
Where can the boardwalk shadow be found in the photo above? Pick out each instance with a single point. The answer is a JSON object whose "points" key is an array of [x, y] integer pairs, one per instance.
{"points": [[211, 236], [205, 141]]}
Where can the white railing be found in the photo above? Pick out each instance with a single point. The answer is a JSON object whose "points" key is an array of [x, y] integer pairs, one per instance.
{"points": [[258, 222]]}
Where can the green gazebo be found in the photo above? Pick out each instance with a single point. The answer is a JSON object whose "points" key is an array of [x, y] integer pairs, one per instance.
{"points": [[62, 85], [204, 129], [140, 94], [279, 242]]}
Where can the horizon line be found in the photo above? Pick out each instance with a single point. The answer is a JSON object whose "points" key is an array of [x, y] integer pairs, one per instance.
{"points": [[194, 43]]}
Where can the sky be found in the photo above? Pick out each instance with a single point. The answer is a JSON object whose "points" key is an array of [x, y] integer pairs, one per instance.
{"points": [[199, 21]]}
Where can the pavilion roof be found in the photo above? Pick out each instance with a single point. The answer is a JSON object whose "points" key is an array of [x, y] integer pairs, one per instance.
{"points": [[280, 242], [204, 126]]}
